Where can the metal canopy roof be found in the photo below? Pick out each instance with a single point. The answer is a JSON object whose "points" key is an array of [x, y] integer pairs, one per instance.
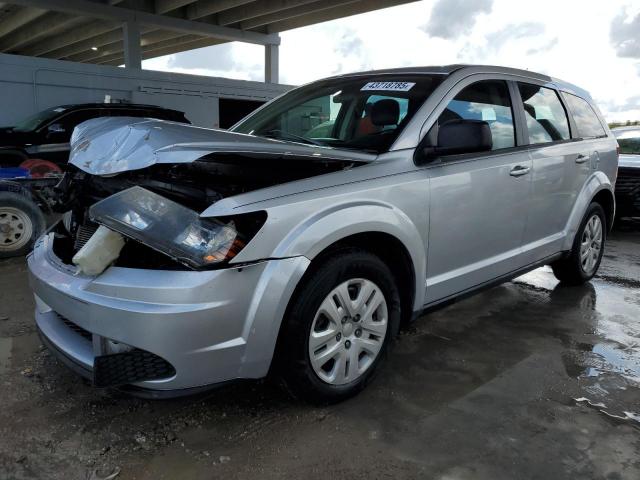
{"points": [[101, 31]]}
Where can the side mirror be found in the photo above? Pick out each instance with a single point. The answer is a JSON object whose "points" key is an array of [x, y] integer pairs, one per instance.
{"points": [[56, 128], [56, 132], [460, 136]]}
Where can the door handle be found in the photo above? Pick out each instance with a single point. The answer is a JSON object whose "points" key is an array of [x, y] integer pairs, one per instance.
{"points": [[582, 158], [519, 170]]}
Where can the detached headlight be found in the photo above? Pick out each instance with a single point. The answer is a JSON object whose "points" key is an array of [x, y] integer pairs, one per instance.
{"points": [[172, 229]]}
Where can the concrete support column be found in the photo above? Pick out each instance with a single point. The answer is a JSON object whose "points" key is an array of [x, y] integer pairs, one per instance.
{"points": [[131, 41], [271, 64]]}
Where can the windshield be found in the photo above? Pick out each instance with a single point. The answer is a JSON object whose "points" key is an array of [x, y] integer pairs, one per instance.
{"points": [[362, 113], [36, 120], [629, 141]]}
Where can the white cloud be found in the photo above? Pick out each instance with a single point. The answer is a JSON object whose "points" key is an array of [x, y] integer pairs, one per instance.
{"points": [[573, 40], [452, 18]]}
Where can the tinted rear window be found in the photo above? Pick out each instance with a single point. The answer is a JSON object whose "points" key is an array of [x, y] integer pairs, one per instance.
{"points": [[546, 118], [587, 121]]}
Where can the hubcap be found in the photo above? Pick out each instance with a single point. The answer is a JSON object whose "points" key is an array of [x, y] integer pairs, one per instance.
{"points": [[15, 228], [348, 331], [591, 244]]}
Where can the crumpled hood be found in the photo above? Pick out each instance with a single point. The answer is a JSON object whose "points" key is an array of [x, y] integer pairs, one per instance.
{"points": [[105, 146]]}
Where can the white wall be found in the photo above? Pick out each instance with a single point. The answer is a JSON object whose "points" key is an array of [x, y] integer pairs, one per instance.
{"points": [[29, 84]]}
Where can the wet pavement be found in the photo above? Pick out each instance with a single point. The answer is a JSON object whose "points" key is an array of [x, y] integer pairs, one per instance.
{"points": [[528, 380]]}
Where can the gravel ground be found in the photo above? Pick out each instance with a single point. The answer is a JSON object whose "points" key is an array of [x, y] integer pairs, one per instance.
{"points": [[527, 380]]}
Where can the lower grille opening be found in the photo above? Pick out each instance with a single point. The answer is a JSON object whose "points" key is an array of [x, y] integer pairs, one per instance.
{"points": [[76, 328], [130, 367]]}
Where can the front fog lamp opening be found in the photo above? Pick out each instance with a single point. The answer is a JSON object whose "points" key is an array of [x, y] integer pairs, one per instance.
{"points": [[170, 228]]}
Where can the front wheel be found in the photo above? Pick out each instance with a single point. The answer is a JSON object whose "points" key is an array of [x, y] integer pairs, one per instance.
{"points": [[338, 327], [585, 256]]}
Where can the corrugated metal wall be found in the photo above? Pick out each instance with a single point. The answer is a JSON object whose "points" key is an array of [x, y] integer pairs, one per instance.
{"points": [[29, 84]]}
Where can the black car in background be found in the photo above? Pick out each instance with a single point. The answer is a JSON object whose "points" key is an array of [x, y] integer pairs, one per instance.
{"points": [[32, 157], [46, 134]]}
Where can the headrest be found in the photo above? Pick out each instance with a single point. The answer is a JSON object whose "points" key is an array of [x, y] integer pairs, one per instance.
{"points": [[385, 112]]}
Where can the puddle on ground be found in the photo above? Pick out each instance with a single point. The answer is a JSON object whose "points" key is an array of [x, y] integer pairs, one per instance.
{"points": [[606, 359]]}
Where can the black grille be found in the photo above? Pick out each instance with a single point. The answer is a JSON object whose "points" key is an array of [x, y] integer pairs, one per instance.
{"points": [[83, 234], [76, 328], [628, 181], [628, 191], [129, 367]]}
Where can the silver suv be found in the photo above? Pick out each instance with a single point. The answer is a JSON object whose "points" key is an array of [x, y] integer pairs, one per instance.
{"points": [[301, 240]]}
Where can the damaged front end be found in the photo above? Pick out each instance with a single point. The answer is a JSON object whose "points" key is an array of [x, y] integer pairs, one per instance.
{"points": [[165, 226], [130, 285], [135, 188]]}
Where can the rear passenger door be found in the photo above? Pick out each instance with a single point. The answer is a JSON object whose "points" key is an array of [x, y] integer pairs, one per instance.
{"points": [[559, 169], [477, 202]]}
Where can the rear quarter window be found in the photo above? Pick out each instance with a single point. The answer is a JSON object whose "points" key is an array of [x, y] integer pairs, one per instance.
{"points": [[587, 122]]}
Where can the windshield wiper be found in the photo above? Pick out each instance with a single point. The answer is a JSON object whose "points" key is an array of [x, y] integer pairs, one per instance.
{"points": [[282, 135]]}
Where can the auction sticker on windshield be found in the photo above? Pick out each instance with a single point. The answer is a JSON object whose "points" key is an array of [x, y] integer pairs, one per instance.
{"points": [[389, 86]]}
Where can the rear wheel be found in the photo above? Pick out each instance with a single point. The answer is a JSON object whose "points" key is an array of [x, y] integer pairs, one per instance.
{"points": [[21, 223], [338, 327], [585, 257]]}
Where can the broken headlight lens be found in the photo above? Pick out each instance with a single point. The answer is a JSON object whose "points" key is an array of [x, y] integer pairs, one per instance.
{"points": [[169, 227]]}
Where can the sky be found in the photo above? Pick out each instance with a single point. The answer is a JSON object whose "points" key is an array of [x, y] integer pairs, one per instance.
{"points": [[594, 44]]}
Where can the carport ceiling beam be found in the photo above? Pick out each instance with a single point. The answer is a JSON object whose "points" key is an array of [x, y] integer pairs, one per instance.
{"points": [[45, 26], [68, 43], [344, 10], [178, 46], [18, 19], [300, 10], [163, 6], [203, 8], [258, 9], [108, 12]]}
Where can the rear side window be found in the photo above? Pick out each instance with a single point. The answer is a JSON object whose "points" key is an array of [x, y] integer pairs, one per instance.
{"points": [[546, 118], [488, 101], [587, 121]]}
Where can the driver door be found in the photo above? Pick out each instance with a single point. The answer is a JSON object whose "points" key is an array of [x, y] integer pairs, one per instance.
{"points": [[479, 201]]}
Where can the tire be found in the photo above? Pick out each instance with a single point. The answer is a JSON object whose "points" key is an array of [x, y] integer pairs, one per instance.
{"points": [[21, 223], [573, 270], [360, 275]]}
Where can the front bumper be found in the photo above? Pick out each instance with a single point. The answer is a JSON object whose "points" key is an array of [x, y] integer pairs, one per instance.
{"points": [[211, 326]]}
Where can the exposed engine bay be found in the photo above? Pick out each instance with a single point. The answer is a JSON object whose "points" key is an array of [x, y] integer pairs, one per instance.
{"points": [[195, 185]]}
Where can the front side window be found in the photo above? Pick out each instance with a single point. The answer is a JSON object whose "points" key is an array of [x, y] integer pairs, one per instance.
{"points": [[488, 101], [39, 119], [361, 113], [587, 121], [546, 118]]}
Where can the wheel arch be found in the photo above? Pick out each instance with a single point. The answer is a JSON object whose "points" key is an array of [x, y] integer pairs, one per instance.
{"points": [[373, 227], [599, 188], [607, 199], [391, 251]]}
